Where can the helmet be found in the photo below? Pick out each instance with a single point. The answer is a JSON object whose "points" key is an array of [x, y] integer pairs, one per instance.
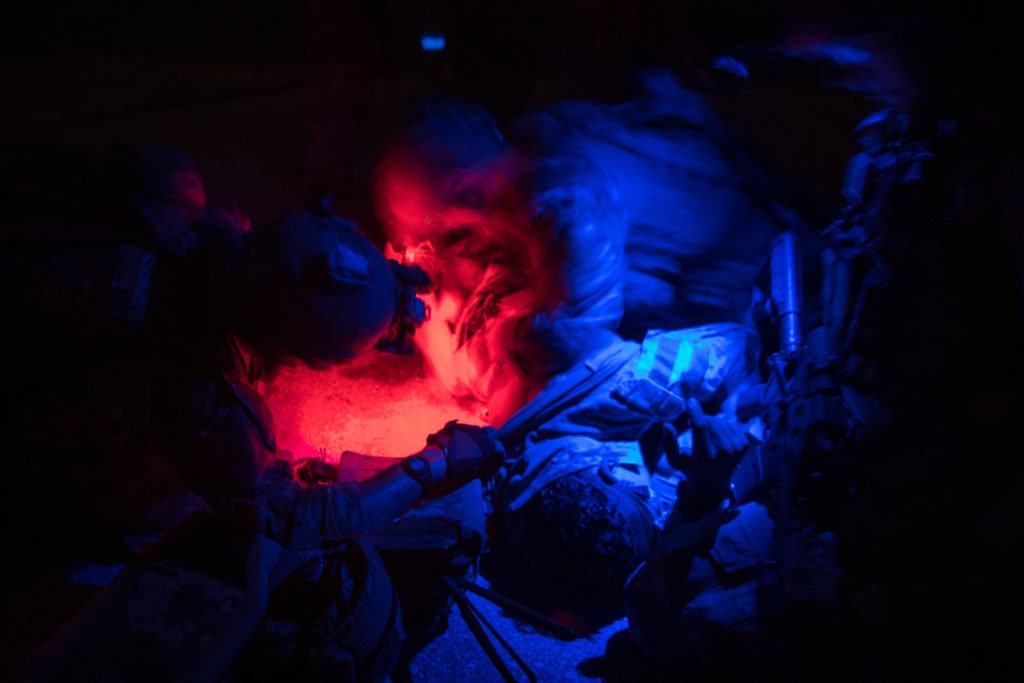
{"points": [[159, 184], [314, 288], [585, 532]]}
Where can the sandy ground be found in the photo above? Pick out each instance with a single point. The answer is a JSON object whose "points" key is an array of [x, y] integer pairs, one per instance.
{"points": [[380, 404], [456, 655]]}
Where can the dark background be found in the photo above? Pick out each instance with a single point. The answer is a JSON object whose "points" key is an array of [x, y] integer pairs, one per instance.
{"points": [[276, 101], [280, 102]]}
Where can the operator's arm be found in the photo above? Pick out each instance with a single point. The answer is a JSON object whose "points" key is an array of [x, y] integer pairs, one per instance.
{"points": [[719, 443], [222, 437], [308, 516], [391, 492]]}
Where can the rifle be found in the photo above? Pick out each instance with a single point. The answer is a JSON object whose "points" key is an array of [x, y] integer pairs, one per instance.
{"points": [[805, 425]]}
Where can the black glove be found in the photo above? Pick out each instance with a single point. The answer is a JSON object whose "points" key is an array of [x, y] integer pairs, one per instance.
{"points": [[470, 453]]}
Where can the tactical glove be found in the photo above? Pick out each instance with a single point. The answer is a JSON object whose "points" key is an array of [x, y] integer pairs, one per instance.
{"points": [[470, 453]]}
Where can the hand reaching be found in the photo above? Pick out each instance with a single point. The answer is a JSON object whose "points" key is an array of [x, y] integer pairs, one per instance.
{"points": [[719, 443]]}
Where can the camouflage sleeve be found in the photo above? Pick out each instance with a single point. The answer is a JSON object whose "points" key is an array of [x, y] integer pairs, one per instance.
{"points": [[305, 516], [230, 459], [219, 435]]}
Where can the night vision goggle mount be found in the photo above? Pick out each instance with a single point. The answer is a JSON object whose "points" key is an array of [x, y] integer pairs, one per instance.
{"points": [[410, 310]]}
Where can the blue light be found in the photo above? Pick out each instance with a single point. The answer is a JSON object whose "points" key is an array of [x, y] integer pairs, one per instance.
{"points": [[732, 65], [432, 42], [845, 54]]}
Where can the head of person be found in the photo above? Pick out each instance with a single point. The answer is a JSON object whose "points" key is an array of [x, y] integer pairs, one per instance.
{"points": [[451, 197], [163, 185], [441, 188], [312, 288], [149, 193]]}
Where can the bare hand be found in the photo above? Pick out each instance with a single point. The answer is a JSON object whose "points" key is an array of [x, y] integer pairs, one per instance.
{"points": [[719, 444]]}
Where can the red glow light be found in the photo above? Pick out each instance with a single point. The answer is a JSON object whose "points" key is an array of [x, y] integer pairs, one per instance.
{"points": [[379, 404]]}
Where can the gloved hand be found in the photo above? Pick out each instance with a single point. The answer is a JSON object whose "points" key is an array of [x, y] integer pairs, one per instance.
{"points": [[470, 453]]}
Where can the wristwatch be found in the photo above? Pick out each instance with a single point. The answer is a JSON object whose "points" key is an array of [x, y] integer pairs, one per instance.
{"points": [[418, 467]]}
